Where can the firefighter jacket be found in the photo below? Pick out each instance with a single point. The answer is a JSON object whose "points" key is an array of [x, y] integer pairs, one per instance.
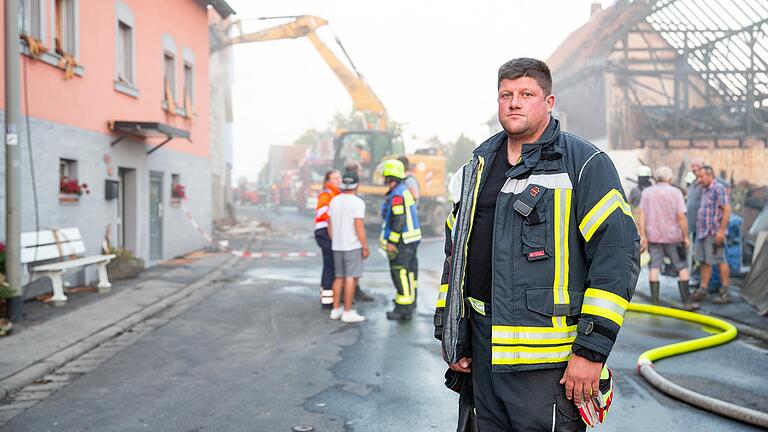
{"points": [[321, 213], [400, 217], [566, 254]]}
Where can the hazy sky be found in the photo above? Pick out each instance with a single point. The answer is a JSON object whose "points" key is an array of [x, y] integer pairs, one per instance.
{"points": [[432, 63]]}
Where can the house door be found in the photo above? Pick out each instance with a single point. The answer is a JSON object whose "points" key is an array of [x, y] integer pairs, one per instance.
{"points": [[126, 209], [155, 216]]}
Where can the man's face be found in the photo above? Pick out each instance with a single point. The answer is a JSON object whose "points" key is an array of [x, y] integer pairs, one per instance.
{"points": [[695, 166], [335, 179], [704, 178], [523, 107]]}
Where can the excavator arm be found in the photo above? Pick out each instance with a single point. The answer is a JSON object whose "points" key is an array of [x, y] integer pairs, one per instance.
{"points": [[363, 98]]}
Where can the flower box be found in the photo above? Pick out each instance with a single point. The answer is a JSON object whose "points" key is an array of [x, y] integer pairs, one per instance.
{"points": [[72, 187], [68, 198], [175, 202]]}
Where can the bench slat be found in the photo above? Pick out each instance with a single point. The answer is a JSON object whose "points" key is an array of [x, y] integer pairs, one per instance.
{"points": [[34, 238], [40, 253], [73, 248], [69, 234], [78, 262]]}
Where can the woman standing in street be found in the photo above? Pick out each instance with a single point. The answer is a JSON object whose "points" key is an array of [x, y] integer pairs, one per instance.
{"points": [[331, 184]]}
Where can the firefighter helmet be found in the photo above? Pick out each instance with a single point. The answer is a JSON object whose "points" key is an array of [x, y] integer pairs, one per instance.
{"points": [[394, 168]]}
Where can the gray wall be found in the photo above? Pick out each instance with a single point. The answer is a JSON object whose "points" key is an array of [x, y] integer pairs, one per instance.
{"points": [[93, 213]]}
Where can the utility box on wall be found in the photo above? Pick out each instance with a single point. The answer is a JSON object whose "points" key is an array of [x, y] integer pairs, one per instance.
{"points": [[111, 189]]}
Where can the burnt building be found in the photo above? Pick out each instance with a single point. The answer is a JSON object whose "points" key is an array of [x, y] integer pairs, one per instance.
{"points": [[663, 81]]}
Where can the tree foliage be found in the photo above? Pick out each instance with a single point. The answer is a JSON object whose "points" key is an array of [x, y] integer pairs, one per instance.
{"points": [[458, 153]]}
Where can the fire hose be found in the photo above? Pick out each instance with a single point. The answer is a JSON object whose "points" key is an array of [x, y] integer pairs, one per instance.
{"points": [[727, 333]]}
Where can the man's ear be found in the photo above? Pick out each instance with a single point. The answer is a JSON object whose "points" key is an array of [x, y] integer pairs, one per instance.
{"points": [[550, 103]]}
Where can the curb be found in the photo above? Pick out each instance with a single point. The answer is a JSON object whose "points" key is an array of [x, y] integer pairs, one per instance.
{"points": [[39, 369], [746, 329]]}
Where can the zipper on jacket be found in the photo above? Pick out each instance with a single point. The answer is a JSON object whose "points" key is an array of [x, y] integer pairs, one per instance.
{"points": [[469, 231]]}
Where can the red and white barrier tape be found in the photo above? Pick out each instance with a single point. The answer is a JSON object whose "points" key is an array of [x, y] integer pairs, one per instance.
{"points": [[242, 253]]}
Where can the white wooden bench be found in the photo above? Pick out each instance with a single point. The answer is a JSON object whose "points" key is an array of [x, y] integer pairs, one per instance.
{"points": [[65, 245]]}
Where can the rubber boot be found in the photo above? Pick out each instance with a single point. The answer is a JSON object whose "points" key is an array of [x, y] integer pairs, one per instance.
{"points": [[685, 296], [724, 297], [400, 313], [700, 294], [655, 293], [361, 295]]}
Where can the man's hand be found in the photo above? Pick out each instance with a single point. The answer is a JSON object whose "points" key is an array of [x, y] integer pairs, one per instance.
{"points": [[366, 252], [462, 365], [581, 378], [719, 238], [685, 241], [391, 248], [643, 244]]}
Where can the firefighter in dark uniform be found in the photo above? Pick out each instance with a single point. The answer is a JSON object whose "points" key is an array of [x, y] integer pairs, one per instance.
{"points": [[542, 258], [400, 236]]}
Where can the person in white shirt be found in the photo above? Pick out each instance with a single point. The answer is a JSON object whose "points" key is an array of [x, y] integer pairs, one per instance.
{"points": [[349, 246]]}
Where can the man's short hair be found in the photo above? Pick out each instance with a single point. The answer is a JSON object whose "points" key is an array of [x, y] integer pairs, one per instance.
{"points": [[708, 169], [663, 174], [404, 160], [527, 67]]}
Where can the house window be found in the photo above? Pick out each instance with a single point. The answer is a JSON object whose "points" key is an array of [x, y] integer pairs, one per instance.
{"points": [[189, 88], [177, 189], [68, 181], [68, 169], [169, 83], [65, 27], [31, 15], [125, 53]]}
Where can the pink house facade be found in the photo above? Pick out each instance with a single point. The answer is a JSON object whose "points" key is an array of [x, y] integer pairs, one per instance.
{"points": [[117, 97]]}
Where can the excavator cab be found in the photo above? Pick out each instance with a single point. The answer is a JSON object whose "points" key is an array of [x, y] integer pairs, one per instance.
{"points": [[366, 150]]}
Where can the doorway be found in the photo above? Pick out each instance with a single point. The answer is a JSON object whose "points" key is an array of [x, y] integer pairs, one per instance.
{"points": [[126, 210], [155, 215]]}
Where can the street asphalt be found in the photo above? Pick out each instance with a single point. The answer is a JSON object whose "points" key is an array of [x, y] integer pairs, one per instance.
{"points": [[258, 354]]}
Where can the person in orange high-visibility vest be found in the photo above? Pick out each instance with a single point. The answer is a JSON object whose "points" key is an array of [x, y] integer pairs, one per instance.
{"points": [[331, 184]]}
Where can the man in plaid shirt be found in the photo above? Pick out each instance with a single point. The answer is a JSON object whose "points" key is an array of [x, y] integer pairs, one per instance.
{"points": [[711, 225]]}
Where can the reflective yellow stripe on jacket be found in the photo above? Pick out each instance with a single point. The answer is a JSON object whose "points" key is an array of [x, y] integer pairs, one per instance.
{"points": [[604, 304], [531, 345], [442, 295], [412, 233], [513, 335], [510, 355], [600, 212], [450, 221], [561, 223]]}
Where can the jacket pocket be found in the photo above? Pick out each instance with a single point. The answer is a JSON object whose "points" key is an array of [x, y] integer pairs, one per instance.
{"points": [[537, 233], [542, 301]]}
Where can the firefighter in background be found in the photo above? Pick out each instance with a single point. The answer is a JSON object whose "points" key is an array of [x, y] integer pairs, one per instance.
{"points": [[400, 236], [644, 176], [331, 184]]}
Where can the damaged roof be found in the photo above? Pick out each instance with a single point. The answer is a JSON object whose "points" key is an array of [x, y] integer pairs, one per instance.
{"points": [[725, 41]]}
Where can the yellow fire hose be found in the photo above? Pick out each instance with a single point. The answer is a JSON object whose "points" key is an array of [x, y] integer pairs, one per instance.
{"points": [[646, 359]]}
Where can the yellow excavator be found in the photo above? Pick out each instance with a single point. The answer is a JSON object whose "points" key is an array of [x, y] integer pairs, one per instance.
{"points": [[368, 147]]}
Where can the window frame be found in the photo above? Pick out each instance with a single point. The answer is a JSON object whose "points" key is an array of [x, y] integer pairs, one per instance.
{"points": [[47, 29], [72, 24], [124, 17], [169, 80], [188, 59], [28, 16], [169, 50]]}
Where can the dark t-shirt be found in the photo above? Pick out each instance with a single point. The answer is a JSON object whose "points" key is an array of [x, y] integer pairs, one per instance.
{"points": [[478, 276]]}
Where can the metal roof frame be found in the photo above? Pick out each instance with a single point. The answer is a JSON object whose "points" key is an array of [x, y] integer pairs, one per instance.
{"points": [[724, 43]]}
